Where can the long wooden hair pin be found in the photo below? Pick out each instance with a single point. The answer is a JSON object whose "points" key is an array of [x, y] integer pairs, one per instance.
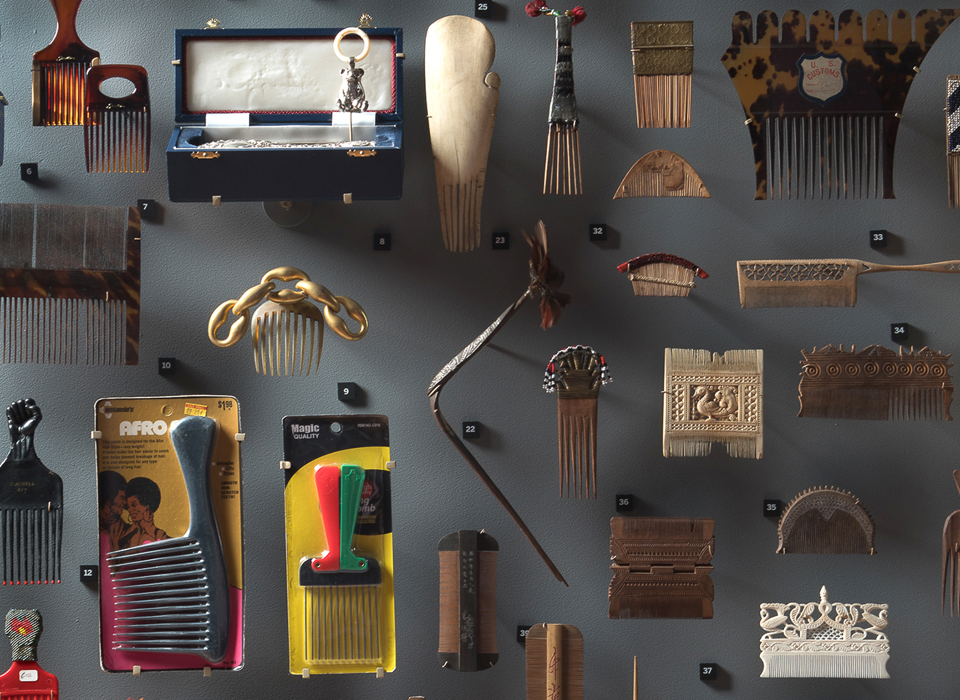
{"points": [[576, 374]]}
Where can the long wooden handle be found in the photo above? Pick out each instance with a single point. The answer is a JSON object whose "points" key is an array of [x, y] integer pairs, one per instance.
{"points": [[956, 478], [945, 266]]}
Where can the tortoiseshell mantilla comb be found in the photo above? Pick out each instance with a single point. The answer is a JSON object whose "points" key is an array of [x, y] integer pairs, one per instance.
{"points": [[59, 71]]}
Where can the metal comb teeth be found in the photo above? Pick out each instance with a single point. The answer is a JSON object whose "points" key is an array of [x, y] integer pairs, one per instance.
{"points": [[287, 338], [172, 595]]}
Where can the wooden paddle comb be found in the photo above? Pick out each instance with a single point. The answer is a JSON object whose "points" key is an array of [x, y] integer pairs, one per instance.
{"points": [[950, 561], [25, 680], [31, 504], [462, 99], [116, 133], [576, 374], [59, 71]]}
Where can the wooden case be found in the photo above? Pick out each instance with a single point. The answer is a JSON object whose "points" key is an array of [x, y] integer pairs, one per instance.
{"points": [[281, 86]]}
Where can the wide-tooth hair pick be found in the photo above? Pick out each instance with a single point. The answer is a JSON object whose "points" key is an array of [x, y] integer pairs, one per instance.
{"points": [[172, 595], [576, 374], [31, 505], [875, 383], [662, 55], [116, 133], [25, 680], [60, 72], [823, 106], [561, 171], [287, 328]]}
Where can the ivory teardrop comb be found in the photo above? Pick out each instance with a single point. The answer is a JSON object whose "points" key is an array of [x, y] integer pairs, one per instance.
{"points": [[576, 373], [281, 326]]}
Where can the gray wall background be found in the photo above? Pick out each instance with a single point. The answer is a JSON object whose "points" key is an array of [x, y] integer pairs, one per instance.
{"points": [[425, 304]]}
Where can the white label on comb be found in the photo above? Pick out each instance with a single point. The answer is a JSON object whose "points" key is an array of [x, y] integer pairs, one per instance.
{"points": [[29, 676]]}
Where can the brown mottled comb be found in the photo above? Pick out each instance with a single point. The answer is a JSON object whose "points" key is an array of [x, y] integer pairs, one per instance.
{"points": [[468, 601], [661, 275], [554, 662], [116, 134], [951, 558], [59, 71], [661, 174], [875, 383], [576, 374], [825, 520], [662, 73]]}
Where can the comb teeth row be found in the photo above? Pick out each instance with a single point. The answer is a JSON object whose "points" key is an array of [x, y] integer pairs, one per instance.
{"points": [[161, 597], [63, 90], [460, 213], [561, 173], [875, 403], [63, 331], [31, 546], [578, 454], [117, 141], [663, 101], [281, 344], [838, 157], [342, 623]]}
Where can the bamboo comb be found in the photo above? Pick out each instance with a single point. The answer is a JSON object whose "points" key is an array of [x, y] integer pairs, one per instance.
{"points": [[59, 71], [31, 504], [576, 374], [554, 662], [662, 73], [953, 140], [342, 605], [711, 398], [462, 98], [25, 680], [561, 171], [950, 561], [468, 601], [76, 299], [824, 98], [661, 275], [661, 174], [833, 282], [825, 520], [116, 133], [282, 325], [875, 384], [172, 595]]}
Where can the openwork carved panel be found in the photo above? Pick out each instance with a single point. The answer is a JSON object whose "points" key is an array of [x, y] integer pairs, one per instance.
{"points": [[812, 272]]}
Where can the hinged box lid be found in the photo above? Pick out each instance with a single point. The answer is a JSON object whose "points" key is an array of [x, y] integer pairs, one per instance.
{"points": [[282, 75]]}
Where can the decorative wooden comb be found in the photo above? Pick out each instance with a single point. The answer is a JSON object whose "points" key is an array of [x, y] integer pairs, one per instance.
{"points": [[282, 325], [823, 106], [661, 567], [554, 662], [662, 72], [953, 140], [875, 384], [70, 284], [825, 520], [661, 275], [576, 374], [824, 640], [468, 601], [561, 172], [709, 398], [661, 174], [950, 562], [462, 99]]}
